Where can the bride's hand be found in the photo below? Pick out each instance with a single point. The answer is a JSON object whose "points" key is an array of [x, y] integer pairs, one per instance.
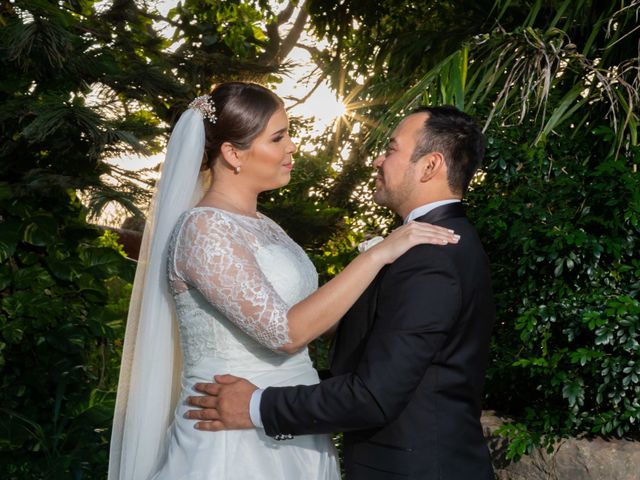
{"points": [[408, 236]]}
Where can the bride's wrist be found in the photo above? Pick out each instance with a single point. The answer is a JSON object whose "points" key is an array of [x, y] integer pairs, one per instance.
{"points": [[374, 257]]}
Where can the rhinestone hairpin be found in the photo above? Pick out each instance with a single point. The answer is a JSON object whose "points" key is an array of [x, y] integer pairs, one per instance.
{"points": [[205, 106]]}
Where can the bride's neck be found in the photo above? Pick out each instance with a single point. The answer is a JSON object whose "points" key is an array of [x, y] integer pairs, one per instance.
{"points": [[233, 198]]}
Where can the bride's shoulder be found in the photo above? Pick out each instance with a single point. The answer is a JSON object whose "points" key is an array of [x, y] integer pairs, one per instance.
{"points": [[204, 220], [203, 213]]}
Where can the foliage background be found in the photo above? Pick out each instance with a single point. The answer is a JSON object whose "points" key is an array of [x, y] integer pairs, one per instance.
{"points": [[557, 202]]}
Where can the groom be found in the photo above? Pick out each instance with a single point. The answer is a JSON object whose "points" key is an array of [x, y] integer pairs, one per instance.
{"points": [[410, 356]]}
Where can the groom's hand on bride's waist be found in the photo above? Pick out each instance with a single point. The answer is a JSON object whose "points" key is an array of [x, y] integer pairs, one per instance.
{"points": [[224, 405]]}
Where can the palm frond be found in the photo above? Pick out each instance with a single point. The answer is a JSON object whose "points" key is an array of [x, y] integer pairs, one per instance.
{"points": [[540, 74]]}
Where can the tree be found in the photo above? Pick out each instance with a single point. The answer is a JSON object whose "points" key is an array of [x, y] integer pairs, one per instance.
{"points": [[61, 310]]}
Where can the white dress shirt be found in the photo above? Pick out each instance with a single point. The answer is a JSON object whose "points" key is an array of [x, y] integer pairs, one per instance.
{"points": [[254, 408], [424, 209]]}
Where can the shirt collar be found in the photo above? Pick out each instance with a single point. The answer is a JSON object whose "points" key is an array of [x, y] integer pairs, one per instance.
{"points": [[424, 209]]}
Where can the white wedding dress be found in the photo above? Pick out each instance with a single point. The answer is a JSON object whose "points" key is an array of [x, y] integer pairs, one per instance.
{"points": [[233, 278]]}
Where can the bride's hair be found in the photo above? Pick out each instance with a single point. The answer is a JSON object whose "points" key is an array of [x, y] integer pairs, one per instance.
{"points": [[242, 112]]}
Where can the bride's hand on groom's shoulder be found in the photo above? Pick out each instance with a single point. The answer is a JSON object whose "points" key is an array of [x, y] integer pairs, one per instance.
{"points": [[224, 405], [408, 236]]}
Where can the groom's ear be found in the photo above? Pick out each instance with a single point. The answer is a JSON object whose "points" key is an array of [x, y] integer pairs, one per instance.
{"points": [[430, 166]]}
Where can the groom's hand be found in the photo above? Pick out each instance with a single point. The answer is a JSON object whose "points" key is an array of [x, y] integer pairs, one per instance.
{"points": [[225, 405]]}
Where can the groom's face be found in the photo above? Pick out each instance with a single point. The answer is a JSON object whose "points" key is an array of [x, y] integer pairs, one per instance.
{"points": [[396, 174]]}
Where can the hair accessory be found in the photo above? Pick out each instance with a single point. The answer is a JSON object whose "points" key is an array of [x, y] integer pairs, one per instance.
{"points": [[205, 106]]}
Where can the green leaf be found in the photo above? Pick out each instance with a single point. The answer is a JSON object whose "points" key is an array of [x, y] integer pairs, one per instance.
{"points": [[40, 230], [574, 392], [5, 191], [9, 238]]}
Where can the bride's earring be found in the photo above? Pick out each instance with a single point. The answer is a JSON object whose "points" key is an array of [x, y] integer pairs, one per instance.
{"points": [[236, 170]]}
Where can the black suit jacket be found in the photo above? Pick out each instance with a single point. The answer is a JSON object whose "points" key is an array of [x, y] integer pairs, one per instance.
{"points": [[408, 368]]}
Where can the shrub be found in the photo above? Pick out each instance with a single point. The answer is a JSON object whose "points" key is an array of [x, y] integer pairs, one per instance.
{"points": [[63, 299], [560, 223]]}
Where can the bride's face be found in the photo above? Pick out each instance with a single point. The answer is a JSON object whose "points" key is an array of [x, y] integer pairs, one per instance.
{"points": [[268, 162]]}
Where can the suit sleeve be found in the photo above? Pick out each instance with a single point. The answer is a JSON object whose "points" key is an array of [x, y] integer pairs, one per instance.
{"points": [[418, 305]]}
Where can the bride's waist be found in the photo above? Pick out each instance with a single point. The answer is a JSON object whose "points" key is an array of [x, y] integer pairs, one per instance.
{"points": [[272, 370]]}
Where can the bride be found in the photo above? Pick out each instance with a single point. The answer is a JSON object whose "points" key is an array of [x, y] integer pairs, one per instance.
{"points": [[221, 288]]}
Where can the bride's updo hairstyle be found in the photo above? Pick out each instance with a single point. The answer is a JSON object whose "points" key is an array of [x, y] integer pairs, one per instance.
{"points": [[242, 112]]}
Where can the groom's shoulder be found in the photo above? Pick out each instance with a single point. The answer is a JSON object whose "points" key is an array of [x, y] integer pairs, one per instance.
{"points": [[420, 259]]}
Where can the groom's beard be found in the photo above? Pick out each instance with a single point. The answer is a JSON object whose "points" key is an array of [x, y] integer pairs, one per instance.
{"points": [[393, 197]]}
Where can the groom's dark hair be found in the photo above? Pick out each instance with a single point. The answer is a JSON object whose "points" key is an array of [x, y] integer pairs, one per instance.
{"points": [[457, 137]]}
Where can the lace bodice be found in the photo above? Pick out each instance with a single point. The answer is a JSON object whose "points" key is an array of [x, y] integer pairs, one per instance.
{"points": [[225, 267]]}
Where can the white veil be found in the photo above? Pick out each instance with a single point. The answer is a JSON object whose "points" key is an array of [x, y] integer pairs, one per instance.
{"points": [[149, 381]]}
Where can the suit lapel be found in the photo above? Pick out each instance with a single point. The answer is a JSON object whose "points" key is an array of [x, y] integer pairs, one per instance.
{"points": [[353, 329]]}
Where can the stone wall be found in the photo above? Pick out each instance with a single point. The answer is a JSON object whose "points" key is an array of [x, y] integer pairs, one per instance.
{"points": [[572, 458]]}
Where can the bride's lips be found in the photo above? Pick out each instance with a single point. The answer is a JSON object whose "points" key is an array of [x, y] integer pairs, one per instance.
{"points": [[288, 166]]}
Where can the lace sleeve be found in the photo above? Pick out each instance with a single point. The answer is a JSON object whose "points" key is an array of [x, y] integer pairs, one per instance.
{"points": [[212, 256]]}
